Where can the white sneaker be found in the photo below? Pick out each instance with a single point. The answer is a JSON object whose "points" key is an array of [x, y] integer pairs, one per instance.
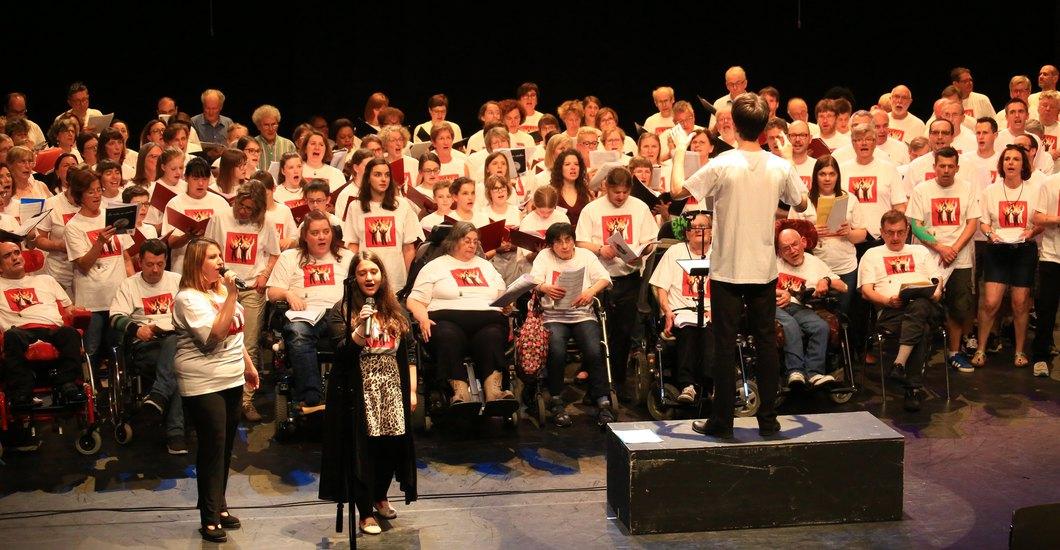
{"points": [[796, 377], [1041, 368], [688, 395], [821, 379]]}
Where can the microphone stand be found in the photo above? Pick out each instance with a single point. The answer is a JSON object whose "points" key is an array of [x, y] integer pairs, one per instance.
{"points": [[701, 292], [351, 484]]}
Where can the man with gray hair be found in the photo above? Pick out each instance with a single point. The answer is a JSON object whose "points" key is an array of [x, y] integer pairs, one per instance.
{"points": [[736, 83], [1019, 86], [210, 124], [663, 96], [904, 126], [872, 180], [963, 140], [1048, 108]]}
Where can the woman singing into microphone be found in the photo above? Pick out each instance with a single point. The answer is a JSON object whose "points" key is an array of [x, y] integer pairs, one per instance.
{"points": [[212, 366], [370, 400]]}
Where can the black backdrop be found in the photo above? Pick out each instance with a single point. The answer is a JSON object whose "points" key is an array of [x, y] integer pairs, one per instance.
{"points": [[327, 58]]}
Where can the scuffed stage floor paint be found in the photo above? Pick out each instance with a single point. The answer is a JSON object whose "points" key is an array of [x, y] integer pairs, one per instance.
{"points": [[969, 464]]}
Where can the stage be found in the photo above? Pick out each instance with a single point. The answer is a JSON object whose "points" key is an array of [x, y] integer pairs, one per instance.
{"points": [[968, 464]]}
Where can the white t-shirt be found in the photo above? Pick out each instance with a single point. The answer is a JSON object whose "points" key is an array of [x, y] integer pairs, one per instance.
{"points": [[246, 247], [547, 268], [326, 172], [1049, 143], [599, 219], [877, 188], [965, 141], [1049, 203], [530, 123], [411, 168], [154, 216], [837, 252], [979, 171], [385, 232], [96, 289], [1043, 161], [746, 187], [38, 190], [889, 270], [533, 222], [836, 141], [453, 169], [476, 142], [478, 219], [348, 196], [319, 281], [945, 211], [428, 222], [57, 264], [1009, 211], [147, 303], [280, 217], [31, 300], [511, 214], [426, 127], [897, 151], [805, 171], [201, 369], [196, 209], [795, 279], [447, 283], [657, 123], [906, 129], [682, 290], [291, 198], [977, 105]]}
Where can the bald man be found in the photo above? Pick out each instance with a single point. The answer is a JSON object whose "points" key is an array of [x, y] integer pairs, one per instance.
{"points": [[963, 138], [974, 103], [1047, 78], [662, 121], [798, 110], [903, 126]]}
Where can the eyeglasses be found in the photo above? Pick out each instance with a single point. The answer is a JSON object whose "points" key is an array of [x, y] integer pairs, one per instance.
{"points": [[798, 136], [593, 143], [468, 240], [432, 171], [940, 133]]}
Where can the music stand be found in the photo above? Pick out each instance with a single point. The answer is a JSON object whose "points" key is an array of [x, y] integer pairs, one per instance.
{"points": [[698, 267]]}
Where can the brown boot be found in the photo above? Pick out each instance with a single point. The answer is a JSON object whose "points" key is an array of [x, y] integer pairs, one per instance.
{"points": [[249, 412], [461, 391], [493, 388]]}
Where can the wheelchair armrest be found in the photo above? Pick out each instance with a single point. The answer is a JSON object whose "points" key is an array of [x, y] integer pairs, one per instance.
{"points": [[79, 319]]}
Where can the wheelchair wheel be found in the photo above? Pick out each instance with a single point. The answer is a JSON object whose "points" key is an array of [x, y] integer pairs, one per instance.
{"points": [[840, 398], [638, 369], [88, 442], [747, 402], [656, 408], [542, 410], [123, 433], [512, 421]]}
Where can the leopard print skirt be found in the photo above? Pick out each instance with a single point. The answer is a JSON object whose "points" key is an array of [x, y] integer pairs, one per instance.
{"points": [[384, 413]]}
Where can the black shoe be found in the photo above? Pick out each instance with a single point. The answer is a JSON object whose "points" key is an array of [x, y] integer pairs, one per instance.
{"points": [[897, 373], [230, 521], [912, 400], [72, 394], [606, 414], [559, 413], [705, 427], [175, 445], [769, 427], [154, 404], [217, 534], [312, 399], [23, 401]]}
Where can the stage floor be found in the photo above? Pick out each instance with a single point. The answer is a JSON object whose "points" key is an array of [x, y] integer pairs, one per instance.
{"points": [[969, 463]]}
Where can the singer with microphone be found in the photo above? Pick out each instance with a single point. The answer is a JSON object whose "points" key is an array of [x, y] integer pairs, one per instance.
{"points": [[251, 248], [212, 366], [370, 400]]}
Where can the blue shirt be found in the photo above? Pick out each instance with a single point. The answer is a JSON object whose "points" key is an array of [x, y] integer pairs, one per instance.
{"points": [[211, 133]]}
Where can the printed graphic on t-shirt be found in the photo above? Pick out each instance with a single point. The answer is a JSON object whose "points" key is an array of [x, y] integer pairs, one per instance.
{"points": [[158, 305], [622, 223], [1012, 213], [661, 129], [237, 320], [864, 188], [930, 175], [381, 340], [945, 211], [279, 231], [1050, 142], [67, 217], [19, 299], [294, 203], [110, 248], [896, 133], [318, 275], [690, 285], [379, 231], [468, 277], [790, 283], [969, 112], [520, 190], [199, 214], [895, 265], [241, 248], [807, 180], [448, 177]]}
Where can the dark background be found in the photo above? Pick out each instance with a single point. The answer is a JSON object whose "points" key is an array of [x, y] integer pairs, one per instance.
{"points": [[309, 58]]}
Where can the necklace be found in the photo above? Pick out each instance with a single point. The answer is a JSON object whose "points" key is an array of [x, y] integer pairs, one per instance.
{"points": [[1004, 192]]}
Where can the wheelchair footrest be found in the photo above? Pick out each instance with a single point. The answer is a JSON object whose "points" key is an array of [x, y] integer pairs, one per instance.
{"points": [[465, 408], [500, 407]]}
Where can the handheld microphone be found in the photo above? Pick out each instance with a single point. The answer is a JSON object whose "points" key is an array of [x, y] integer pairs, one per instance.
{"points": [[368, 322], [240, 283]]}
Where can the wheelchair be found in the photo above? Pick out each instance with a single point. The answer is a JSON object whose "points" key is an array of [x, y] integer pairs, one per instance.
{"points": [[839, 357], [22, 424], [536, 387], [127, 384], [289, 418]]}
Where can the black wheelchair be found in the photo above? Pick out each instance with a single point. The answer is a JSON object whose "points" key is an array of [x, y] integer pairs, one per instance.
{"points": [[289, 417]]}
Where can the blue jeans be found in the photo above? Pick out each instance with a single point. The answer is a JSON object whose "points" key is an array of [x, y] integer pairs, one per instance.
{"points": [[799, 320], [160, 353], [851, 280], [301, 340], [94, 334], [588, 337]]}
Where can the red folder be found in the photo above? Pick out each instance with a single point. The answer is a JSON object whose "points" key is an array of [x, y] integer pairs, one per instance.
{"points": [[160, 196], [186, 224]]}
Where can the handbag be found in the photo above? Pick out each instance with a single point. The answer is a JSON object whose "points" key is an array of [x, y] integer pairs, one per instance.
{"points": [[532, 342]]}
